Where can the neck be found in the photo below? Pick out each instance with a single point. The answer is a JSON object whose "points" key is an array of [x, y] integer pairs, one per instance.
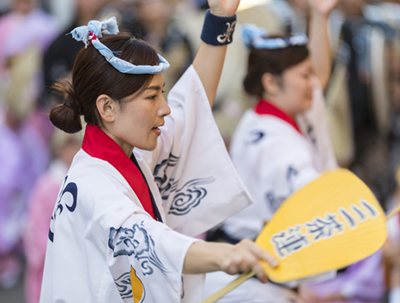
{"points": [[280, 105], [264, 107], [126, 147]]}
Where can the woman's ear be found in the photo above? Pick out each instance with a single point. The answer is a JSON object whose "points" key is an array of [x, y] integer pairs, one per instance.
{"points": [[106, 107], [270, 84]]}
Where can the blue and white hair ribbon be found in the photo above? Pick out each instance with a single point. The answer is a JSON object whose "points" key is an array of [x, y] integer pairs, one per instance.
{"points": [[95, 29], [256, 37]]}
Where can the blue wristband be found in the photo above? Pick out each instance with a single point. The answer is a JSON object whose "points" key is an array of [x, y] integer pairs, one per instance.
{"points": [[218, 30]]}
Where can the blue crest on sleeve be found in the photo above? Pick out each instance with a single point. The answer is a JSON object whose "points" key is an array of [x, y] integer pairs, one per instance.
{"points": [[126, 241], [138, 243]]}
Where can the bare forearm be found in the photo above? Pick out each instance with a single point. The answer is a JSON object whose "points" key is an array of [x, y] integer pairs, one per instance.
{"points": [[210, 59], [320, 47], [203, 257], [208, 64]]}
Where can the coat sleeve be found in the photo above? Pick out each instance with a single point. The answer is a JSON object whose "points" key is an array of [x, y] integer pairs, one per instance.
{"points": [[285, 171], [145, 257], [314, 124], [290, 170], [197, 181]]}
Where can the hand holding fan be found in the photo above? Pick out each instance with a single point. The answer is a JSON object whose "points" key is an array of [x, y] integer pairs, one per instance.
{"points": [[329, 224]]}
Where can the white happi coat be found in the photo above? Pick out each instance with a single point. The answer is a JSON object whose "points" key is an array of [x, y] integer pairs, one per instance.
{"points": [[274, 160], [104, 246]]}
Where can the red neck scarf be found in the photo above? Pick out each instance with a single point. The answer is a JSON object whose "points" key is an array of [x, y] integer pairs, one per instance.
{"points": [[98, 145], [264, 107]]}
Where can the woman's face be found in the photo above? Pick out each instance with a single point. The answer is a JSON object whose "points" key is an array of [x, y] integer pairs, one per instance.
{"points": [[296, 88], [89, 8], [153, 12], [139, 118], [24, 7]]}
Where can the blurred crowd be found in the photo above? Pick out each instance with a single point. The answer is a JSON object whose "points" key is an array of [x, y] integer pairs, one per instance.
{"points": [[362, 99]]}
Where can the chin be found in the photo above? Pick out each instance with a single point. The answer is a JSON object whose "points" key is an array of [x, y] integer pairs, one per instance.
{"points": [[307, 104], [152, 148], [148, 147], [303, 109]]}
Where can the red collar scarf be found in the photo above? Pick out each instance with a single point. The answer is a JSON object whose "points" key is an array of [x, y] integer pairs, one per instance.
{"points": [[98, 145], [264, 107]]}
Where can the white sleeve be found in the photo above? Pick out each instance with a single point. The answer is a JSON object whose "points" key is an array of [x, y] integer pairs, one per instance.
{"points": [[287, 169], [291, 169], [394, 295], [197, 181], [313, 123], [145, 257]]}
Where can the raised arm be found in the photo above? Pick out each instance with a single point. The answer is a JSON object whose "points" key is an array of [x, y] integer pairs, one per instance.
{"points": [[209, 59], [319, 40]]}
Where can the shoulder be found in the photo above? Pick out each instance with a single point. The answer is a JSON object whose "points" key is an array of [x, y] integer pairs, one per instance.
{"points": [[267, 130], [261, 138], [101, 190], [95, 176]]}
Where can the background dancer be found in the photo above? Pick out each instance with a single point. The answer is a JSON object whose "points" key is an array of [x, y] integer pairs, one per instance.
{"points": [[283, 143]]}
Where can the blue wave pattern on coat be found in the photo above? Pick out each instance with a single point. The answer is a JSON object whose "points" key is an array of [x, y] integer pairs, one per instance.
{"points": [[185, 198], [138, 243], [189, 196], [165, 186]]}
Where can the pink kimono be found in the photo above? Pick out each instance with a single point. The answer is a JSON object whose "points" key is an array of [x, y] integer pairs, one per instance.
{"points": [[40, 209]]}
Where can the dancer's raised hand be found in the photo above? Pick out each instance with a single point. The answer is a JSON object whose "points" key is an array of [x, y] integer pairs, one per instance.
{"points": [[323, 6], [223, 8]]}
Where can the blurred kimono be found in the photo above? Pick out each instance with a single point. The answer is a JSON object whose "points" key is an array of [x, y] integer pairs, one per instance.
{"points": [[24, 157], [121, 227], [40, 209], [11, 188], [23, 42], [391, 251], [12, 205], [362, 282], [24, 152]]}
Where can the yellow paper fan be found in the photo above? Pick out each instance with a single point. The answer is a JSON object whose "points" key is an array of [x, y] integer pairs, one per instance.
{"points": [[329, 224]]}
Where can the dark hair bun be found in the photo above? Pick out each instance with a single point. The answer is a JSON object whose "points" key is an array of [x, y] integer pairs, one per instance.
{"points": [[66, 116]]}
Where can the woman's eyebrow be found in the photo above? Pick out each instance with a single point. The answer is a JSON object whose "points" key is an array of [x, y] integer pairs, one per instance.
{"points": [[155, 87]]}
